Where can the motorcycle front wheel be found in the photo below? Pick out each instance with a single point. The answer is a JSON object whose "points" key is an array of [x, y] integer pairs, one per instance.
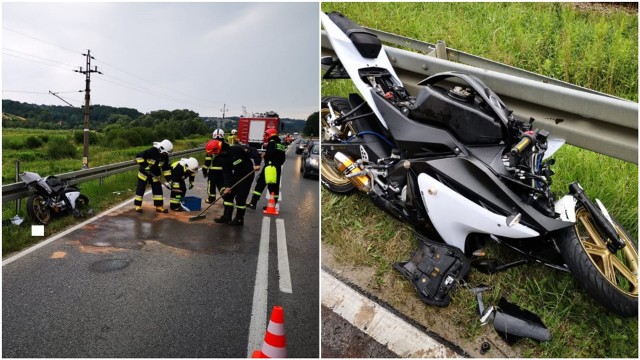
{"points": [[38, 210], [611, 279], [333, 179]]}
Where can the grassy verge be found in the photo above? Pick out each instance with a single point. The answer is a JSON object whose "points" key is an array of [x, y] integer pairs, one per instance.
{"points": [[102, 194], [557, 40]]}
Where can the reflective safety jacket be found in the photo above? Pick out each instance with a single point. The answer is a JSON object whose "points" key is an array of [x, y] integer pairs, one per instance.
{"points": [[178, 174], [212, 163], [275, 152], [152, 161], [237, 162]]}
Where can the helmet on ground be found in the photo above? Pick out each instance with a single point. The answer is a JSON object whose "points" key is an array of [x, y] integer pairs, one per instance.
{"points": [[190, 163], [165, 146], [234, 131], [218, 134], [270, 132], [213, 147]]}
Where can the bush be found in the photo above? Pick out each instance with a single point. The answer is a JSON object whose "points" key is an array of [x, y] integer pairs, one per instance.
{"points": [[13, 143], [33, 142], [60, 148], [78, 136], [44, 138]]}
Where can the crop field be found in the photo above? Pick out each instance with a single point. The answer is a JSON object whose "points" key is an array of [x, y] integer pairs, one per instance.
{"points": [[52, 152], [591, 46]]}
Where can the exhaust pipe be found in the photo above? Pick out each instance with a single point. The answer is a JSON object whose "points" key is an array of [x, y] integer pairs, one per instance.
{"points": [[353, 172]]}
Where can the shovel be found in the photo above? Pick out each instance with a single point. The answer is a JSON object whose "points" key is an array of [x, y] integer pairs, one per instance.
{"points": [[201, 215]]}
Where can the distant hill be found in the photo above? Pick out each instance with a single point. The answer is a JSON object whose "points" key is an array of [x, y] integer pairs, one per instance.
{"points": [[25, 115]]}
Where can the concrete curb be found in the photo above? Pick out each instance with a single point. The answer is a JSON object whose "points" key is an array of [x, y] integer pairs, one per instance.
{"points": [[379, 323]]}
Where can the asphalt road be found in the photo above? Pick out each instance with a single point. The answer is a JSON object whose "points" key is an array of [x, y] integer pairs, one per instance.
{"points": [[159, 285]]}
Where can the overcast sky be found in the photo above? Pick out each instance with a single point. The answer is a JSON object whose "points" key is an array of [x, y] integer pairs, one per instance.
{"points": [[153, 56]]}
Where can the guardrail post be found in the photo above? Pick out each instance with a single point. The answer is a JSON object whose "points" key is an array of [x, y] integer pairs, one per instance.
{"points": [[18, 201]]}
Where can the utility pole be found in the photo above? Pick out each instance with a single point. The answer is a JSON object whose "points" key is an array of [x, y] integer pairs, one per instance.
{"points": [[85, 111], [224, 110]]}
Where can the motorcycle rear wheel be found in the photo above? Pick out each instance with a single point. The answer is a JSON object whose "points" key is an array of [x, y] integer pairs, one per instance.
{"points": [[611, 279], [37, 209], [332, 179]]}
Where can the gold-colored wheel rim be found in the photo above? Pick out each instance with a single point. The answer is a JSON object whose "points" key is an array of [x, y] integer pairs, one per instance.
{"points": [[345, 131], [328, 169], [619, 269]]}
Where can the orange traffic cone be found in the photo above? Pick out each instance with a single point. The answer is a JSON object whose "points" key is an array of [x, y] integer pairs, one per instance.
{"points": [[271, 206], [275, 344]]}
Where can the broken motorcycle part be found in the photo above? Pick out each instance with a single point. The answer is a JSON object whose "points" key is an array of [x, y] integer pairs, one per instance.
{"points": [[434, 270]]}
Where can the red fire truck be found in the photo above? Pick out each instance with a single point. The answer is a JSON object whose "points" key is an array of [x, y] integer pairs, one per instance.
{"points": [[251, 129]]}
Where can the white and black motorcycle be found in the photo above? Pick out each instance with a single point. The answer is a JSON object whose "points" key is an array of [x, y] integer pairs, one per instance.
{"points": [[456, 164], [53, 196]]}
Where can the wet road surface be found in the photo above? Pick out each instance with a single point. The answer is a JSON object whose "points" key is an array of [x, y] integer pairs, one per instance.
{"points": [[159, 285]]}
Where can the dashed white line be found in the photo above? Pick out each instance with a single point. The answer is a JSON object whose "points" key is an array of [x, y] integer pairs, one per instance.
{"points": [[283, 259]]}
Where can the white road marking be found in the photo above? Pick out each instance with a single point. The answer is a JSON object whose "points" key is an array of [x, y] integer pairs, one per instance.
{"points": [[258, 324], [379, 323], [283, 259], [64, 233]]}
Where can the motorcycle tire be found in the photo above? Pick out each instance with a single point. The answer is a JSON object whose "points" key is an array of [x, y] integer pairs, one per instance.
{"points": [[37, 210], [610, 279], [332, 179]]}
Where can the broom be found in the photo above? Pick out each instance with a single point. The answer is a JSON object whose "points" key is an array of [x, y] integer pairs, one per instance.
{"points": [[201, 215]]}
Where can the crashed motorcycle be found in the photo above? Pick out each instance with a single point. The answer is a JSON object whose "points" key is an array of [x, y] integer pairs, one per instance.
{"points": [[456, 164], [53, 196]]}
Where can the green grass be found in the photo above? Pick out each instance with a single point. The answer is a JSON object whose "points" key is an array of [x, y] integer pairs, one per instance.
{"points": [[112, 190], [589, 48]]}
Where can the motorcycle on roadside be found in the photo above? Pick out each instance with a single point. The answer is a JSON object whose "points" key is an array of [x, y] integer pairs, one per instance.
{"points": [[462, 170], [53, 196]]}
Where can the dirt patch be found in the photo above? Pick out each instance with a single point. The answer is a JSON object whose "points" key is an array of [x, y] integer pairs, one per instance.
{"points": [[443, 322], [607, 8]]}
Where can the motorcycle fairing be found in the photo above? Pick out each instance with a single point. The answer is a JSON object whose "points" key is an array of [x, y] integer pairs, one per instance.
{"points": [[353, 61], [472, 179], [414, 138], [455, 216]]}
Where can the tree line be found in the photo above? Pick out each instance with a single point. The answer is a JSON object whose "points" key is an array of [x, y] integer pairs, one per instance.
{"points": [[125, 125]]}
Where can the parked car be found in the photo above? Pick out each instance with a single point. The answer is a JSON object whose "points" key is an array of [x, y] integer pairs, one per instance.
{"points": [[309, 166], [301, 145]]}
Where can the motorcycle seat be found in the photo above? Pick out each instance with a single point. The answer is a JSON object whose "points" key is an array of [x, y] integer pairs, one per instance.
{"points": [[367, 43]]}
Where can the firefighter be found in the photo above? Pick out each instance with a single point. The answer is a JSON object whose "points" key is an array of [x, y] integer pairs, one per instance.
{"points": [[274, 157], [212, 169], [233, 138], [181, 170], [238, 169], [154, 162]]}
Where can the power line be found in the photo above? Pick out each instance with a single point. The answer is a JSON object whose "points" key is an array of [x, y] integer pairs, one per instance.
{"points": [[39, 62], [37, 57], [44, 41]]}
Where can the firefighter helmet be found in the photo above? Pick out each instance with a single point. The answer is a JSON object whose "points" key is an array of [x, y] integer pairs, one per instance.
{"points": [[213, 147], [190, 163], [270, 132], [165, 146], [218, 134], [234, 131]]}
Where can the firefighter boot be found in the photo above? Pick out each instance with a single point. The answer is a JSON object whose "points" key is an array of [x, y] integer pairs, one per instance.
{"points": [[210, 199], [239, 219], [254, 202], [161, 209], [226, 217], [139, 209]]}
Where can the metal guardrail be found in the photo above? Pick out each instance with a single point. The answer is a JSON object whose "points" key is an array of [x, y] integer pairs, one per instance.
{"points": [[583, 117], [17, 190]]}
